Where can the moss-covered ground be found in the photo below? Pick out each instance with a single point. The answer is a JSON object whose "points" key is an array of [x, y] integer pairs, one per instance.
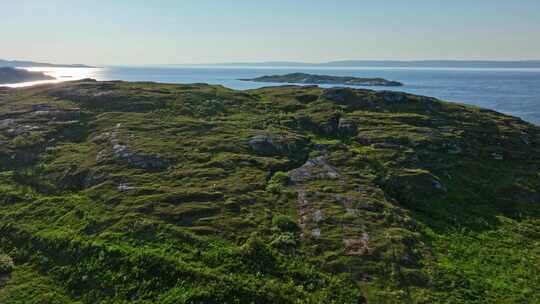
{"points": [[117, 192]]}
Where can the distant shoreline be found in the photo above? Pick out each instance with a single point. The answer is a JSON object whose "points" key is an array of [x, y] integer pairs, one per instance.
{"points": [[380, 63], [28, 64]]}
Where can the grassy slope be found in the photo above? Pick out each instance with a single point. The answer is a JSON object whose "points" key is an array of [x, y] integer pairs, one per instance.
{"points": [[420, 201]]}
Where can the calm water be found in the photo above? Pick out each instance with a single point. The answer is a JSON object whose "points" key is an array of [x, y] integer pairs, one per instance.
{"points": [[512, 91]]}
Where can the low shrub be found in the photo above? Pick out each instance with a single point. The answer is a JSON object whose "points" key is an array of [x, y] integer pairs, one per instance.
{"points": [[6, 264], [285, 223]]}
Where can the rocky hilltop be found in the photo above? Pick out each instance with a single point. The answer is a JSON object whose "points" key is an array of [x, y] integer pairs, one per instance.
{"points": [[116, 192], [302, 78], [13, 75]]}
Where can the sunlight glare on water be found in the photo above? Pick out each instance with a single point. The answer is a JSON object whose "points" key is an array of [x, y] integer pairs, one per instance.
{"points": [[60, 75]]}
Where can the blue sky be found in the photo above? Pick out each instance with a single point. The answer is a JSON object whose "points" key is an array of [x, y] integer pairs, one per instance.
{"points": [[205, 31]]}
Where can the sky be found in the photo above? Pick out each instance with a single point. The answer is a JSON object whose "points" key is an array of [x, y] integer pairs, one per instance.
{"points": [[117, 32]]}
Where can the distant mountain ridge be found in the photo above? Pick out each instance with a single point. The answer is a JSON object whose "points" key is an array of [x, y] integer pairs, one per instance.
{"points": [[398, 63], [25, 64]]}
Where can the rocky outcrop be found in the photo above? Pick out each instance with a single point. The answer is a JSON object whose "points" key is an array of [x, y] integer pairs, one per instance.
{"points": [[125, 153], [271, 144], [413, 187], [313, 169]]}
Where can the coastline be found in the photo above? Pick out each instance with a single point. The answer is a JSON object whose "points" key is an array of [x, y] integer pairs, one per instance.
{"points": [[510, 91]]}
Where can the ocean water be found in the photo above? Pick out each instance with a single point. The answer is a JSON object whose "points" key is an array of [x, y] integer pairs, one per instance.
{"points": [[511, 91]]}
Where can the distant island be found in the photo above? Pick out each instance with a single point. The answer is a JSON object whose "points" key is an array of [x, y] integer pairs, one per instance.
{"points": [[11, 75], [304, 78], [25, 64]]}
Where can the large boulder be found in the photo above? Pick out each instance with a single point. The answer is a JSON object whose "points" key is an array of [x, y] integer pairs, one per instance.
{"points": [[316, 168], [272, 144], [414, 188], [320, 123]]}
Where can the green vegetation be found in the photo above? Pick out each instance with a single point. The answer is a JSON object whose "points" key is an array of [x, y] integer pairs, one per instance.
{"points": [[6, 264], [117, 192]]}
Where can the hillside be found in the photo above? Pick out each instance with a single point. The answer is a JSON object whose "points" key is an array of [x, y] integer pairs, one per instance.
{"points": [[117, 192], [11, 75]]}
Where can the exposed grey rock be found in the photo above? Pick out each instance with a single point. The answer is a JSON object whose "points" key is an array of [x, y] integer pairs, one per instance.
{"points": [[18, 130], [102, 138], [125, 187], [317, 216], [69, 114], [317, 168], [124, 152], [4, 123], [101, 156], [525, 139], [138, 160]]}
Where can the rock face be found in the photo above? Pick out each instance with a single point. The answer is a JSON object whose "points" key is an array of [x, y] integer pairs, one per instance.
{"points": [[325, 79], [12, 76]]}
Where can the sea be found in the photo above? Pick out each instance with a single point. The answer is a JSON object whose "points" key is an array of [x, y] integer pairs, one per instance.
{"points": [[511, 91]]}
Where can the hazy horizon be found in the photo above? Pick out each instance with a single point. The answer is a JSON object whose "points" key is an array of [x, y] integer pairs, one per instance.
{"points": [[293, 63], [204, 32]]}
